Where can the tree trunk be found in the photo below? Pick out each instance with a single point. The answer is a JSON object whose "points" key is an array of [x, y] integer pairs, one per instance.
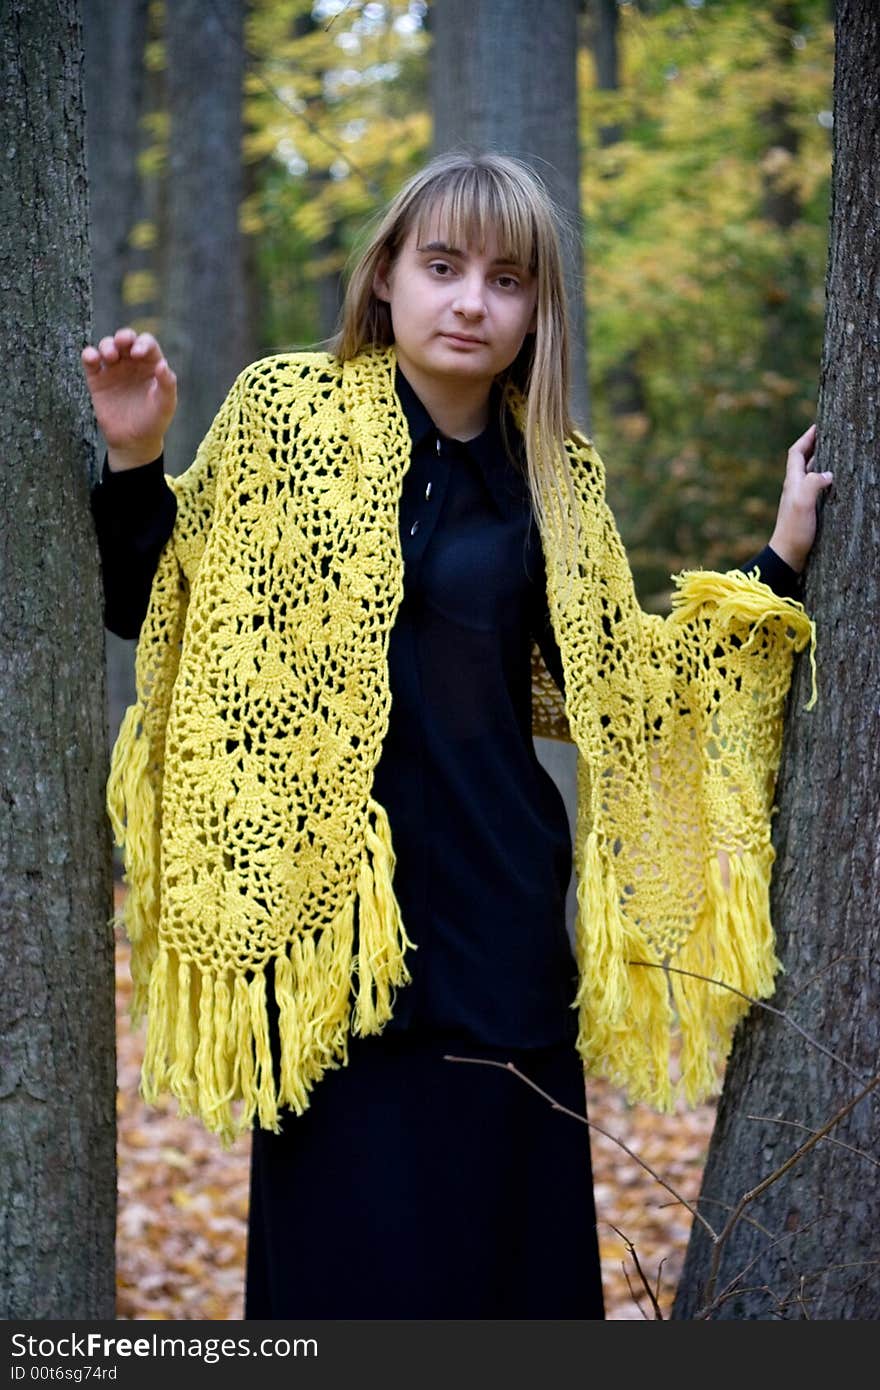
{"points": [[602, 23], [504, 77], [784, 305], [328, 285], [810, 1246], [115, 33], [204, 321], [57, 1054]]}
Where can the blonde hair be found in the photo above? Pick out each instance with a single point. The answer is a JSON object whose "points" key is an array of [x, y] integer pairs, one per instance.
{"points": [[475, 195]]}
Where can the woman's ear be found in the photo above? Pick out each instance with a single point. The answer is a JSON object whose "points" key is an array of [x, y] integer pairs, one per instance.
{"points": [[382, 278]]}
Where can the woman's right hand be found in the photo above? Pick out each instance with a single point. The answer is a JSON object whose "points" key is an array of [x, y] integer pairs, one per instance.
{"points": [[134, 395]]}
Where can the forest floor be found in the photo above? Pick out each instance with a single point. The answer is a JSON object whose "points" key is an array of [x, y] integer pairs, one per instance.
{"points": [[182, 1216]]}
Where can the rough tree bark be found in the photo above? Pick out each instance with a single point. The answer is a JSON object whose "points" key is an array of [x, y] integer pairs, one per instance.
{"points": [[811, 1245], [204, 319], [115, 33], [57, 1029], [504, 77]]}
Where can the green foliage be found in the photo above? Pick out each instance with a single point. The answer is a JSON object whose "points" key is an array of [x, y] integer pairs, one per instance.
{"points": [[705, 310], [706, 183], [337, 120]]}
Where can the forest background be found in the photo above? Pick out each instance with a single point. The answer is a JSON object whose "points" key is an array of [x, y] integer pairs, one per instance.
{"points": [[705, 178], [231, 168], [705, 200]]}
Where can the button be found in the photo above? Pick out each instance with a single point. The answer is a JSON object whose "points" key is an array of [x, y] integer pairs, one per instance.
{"points": [[414, 528], [428, 491], [438, 444]]}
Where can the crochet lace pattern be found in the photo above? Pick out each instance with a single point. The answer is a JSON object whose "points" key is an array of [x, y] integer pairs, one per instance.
{"points": [[240, 783]]}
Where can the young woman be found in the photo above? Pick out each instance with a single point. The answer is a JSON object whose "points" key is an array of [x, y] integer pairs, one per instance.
{"points": [[345, 863]]}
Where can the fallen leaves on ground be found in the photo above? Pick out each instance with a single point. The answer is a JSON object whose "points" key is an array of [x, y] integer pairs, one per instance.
{"points": [[183, 1200]]}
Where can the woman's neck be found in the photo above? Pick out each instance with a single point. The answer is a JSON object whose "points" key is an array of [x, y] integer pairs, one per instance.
{"points": [[459, 409]]}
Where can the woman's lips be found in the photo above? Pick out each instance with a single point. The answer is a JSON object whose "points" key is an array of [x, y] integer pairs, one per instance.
{"points": [[463, 340]]}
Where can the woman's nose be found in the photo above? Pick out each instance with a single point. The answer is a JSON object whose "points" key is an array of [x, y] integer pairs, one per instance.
{"points": [[470, 300]]}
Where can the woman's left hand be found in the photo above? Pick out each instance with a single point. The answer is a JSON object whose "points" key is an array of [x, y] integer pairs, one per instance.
{"points": [[795, 528]]}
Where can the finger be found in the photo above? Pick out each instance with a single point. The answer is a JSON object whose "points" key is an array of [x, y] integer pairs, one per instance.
{"points": [[165, 377], [124, 337], [91, 359], [145, 347], [801, 452], [805, 446], [108, 350], [819, 482]]}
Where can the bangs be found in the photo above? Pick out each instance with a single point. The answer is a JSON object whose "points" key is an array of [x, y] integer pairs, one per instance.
{"points": [[469, 206]]}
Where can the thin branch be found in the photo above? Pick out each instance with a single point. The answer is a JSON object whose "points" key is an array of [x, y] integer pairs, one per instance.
{"points": [[796, 1124], [817, 974], [632, 1293], [762, 1186], [333, 18], [631, 1249], [780, 1303], [316, 130], [731, 1287], [773, 1239], [509, 1066]]}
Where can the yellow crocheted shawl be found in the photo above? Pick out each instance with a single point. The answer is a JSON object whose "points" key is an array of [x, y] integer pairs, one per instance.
{"points": [[240, 783]]}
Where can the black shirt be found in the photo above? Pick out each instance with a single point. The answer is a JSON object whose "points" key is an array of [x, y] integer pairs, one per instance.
{"points": [[479, 828]]}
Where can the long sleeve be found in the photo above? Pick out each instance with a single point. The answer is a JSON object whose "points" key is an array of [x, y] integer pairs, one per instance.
{"points": [[134, 513], [775, 573]]}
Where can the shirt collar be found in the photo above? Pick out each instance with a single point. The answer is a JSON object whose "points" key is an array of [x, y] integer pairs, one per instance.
{"points": [[506, 481], [487, 448]]}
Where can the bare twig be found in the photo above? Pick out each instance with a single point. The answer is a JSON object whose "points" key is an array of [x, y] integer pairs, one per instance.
{"points": [[817, 974], [795, 1158], [633, 1254], [632, 1293], [509, 1066], [759, 1226], [780, 1304], [759, 1003], [796, 1124], [731, 1288], [333, 18], [659, 1276], [254, 61]]}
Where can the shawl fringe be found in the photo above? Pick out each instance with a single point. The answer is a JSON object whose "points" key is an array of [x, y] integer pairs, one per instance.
{"points": [[208, 1030]]}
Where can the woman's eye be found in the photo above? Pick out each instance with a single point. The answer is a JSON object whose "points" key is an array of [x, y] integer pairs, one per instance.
{"points": [[439, 268], [508, 282]]}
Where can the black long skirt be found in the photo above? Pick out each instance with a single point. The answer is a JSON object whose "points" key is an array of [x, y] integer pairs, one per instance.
{"points": [[417, 1187]]}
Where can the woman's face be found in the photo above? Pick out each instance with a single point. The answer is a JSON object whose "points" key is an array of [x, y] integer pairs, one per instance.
{"points": [[458, 312]]}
